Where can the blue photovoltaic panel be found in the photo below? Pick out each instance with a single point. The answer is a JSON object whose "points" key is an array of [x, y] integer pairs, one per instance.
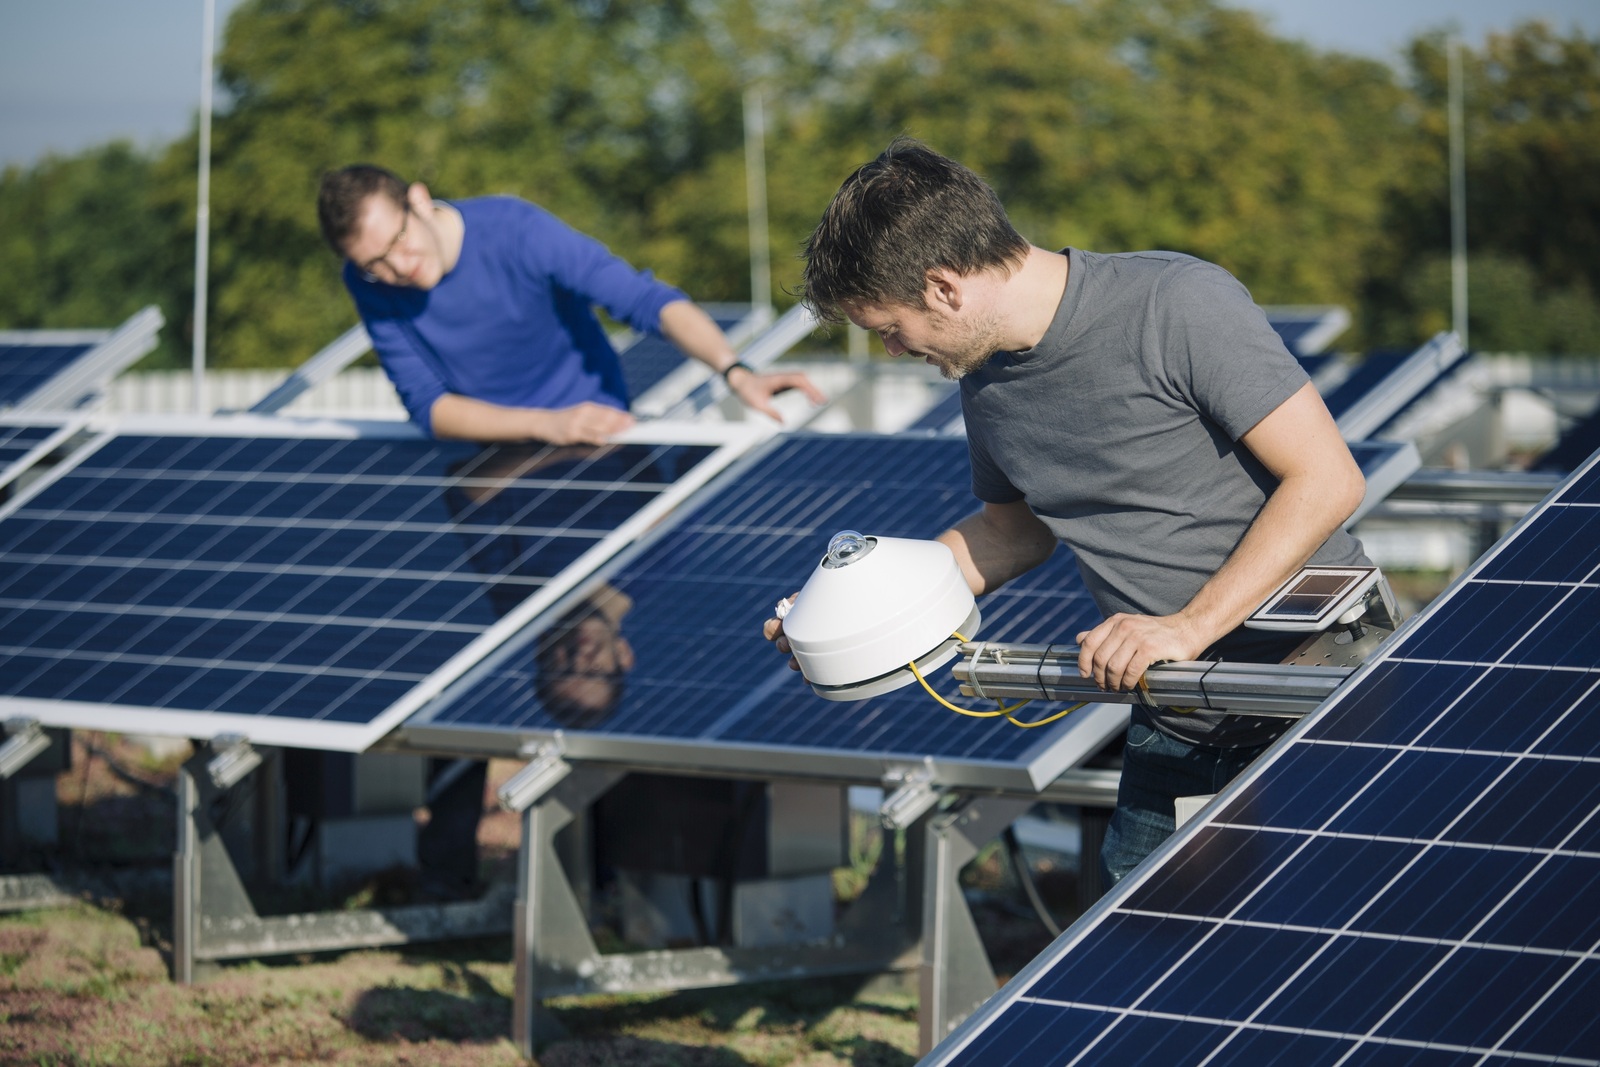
{"points": [[695, 597], [1384, 465], [650, 358], [1410, 877], [295, 588], [1362, 379], [1574, 446], [1307, 331], [944, 416], [26, 367]]}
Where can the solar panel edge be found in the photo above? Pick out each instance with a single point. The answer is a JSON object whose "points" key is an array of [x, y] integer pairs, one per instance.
{"points": [[281, 731], [977, 1023], [63, 430], [81, 377], [61, 470]]}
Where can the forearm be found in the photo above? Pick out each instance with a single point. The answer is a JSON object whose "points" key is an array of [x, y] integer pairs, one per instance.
{"points": [[997, 544], [463, 418], [696, 335], [467, 419], [1297, 518]]}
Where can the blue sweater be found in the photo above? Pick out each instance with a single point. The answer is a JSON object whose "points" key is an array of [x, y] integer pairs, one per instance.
{"points": [[512, 323]]}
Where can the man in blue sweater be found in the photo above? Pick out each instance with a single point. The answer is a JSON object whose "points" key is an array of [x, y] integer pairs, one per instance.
{"points": [[481, 312]]}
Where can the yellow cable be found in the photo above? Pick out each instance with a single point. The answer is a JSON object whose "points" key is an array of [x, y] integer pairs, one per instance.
{"points": [[1002, 710], [994, 714], [954, 708], [1043, 722]]}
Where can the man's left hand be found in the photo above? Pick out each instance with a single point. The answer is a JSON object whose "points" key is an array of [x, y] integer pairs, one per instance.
{"points": [[757, 390], [1117, 652]]}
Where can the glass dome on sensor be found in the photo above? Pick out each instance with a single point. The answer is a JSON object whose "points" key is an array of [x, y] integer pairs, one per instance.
{"points": [[846, 547]]}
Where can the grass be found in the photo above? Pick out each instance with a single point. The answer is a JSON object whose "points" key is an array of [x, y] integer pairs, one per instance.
{"points": [[82, 988], [88, 983]]}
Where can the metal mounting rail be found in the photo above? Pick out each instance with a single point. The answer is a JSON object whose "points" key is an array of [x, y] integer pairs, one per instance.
{"points": [[1050, 672]]}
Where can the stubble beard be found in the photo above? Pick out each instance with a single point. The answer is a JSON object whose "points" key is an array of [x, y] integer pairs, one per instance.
{"points": [[972, 352]]}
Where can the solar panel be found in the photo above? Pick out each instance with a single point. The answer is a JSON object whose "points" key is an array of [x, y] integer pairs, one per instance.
{"points": [[26, 367], [1385, 384], [1408, 877], [1307, 331], [942, 416], [305, 583], [24, 440], [705, 691], [1574, 446], [1384, 465], [59, 370]]}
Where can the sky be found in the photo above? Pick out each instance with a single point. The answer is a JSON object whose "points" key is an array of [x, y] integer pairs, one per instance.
{"points": [[77, 73]]}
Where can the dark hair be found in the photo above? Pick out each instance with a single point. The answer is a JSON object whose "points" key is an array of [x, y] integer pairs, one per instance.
{"points": [[907, 212], [343, 193], [552, 662]]}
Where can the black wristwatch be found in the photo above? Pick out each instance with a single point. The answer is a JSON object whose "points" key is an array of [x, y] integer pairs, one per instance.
{"points": [[736, 364]]}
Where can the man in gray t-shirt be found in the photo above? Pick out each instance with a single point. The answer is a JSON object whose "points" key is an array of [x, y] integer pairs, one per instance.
{"points": [[1137, 408]]}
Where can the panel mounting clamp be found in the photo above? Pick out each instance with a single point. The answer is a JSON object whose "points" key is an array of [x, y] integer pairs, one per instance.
{"points": [[544, 771], [25, 739], [235, 758], [911, 793]]}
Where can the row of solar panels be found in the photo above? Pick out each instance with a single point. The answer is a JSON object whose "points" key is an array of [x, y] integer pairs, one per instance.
{"points": [[1408, 879], [319, 584]]}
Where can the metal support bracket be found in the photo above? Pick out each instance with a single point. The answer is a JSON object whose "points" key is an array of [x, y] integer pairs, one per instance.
{"points": [[955, 976], [909, 795], [25, 740], [555, 955], [234, 760], [215, 919], [544, 771]]}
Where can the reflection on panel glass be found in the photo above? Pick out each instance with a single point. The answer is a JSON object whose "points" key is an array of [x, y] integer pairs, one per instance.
{"points": [[688, 609]]}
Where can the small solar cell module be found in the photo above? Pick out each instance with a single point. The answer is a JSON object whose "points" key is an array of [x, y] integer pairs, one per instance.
{"points": [[303, 584], [1407, 878], [703, 689]]}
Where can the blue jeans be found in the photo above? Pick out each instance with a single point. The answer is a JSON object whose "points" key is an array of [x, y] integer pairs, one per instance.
{"points": [[1156, 770]]}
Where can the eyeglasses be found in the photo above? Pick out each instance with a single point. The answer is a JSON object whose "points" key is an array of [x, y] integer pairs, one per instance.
{"points": [[368, 270]]}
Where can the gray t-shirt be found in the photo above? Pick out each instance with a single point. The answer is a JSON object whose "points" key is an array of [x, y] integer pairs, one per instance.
{"points": [[1121, 429]]}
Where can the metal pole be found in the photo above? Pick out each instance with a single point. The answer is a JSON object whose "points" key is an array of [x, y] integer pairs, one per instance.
{"points": [[755, 178], [1458, 196], [202, 218]]}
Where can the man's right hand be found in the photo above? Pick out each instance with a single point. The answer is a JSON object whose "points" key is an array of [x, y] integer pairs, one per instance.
{"points": [[772, 630], [587, 423]]}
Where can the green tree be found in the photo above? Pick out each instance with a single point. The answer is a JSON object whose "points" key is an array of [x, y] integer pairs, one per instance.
{"points": [[1532, 140], [82, 244]]}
